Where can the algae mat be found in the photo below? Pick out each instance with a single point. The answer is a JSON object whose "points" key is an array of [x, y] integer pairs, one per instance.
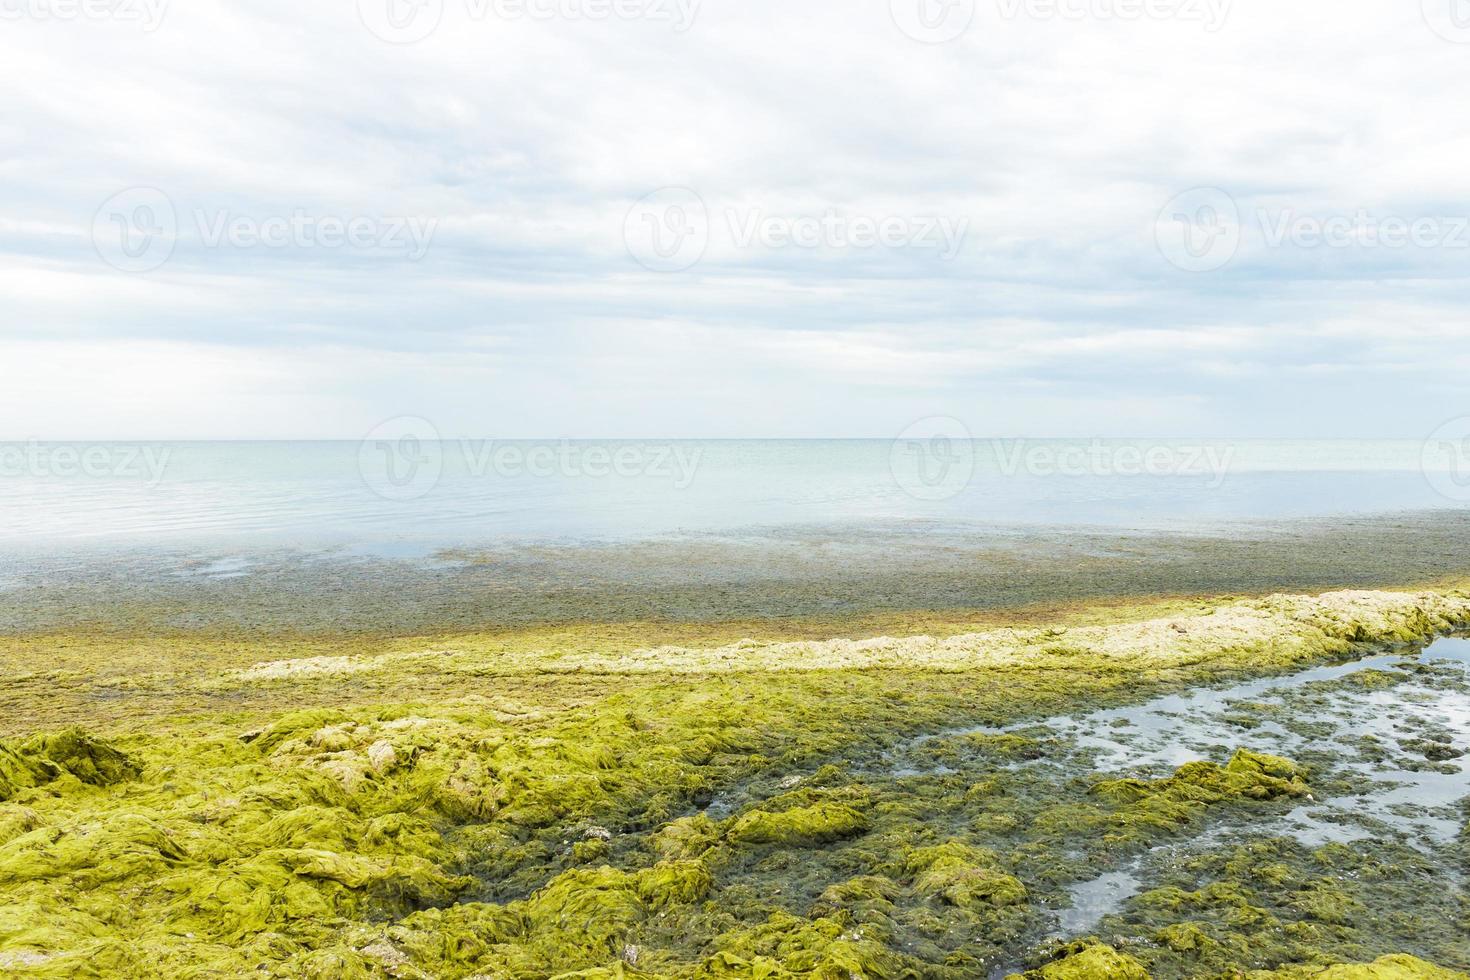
{"points": [[818, 572], [1011, 799]]}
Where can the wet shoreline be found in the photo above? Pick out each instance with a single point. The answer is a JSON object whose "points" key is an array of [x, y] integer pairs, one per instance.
{"points": [[825, 576]]}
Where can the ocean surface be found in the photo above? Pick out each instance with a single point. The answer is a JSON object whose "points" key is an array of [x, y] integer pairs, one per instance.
{"points": [[398, 495]]}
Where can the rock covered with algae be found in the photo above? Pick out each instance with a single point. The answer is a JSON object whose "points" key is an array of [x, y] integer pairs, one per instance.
{"points": [[1088, 961], [787, 946], [1096, 961], [1174, 802], [963, 875], [807, 826], [1394, 967]]}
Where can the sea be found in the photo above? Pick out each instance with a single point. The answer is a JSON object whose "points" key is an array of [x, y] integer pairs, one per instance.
{"points": [[398, 494]]}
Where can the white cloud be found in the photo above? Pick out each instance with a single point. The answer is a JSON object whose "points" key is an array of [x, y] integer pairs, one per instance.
{"points": [[1056, 140]]}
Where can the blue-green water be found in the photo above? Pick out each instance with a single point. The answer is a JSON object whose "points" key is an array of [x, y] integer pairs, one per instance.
{"points": [[396, 494]]}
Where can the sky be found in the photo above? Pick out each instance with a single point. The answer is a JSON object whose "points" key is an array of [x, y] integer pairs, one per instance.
{"points": [[733, 218]]}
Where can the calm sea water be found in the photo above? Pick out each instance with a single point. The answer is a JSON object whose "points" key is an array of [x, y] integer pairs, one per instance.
{"points": [[401, 494]]}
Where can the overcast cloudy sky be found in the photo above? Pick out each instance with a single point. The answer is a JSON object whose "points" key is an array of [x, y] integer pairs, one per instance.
{"points": [[733, 218]]}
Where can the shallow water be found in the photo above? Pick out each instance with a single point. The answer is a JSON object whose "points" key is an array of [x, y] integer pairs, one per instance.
{"points": [[1382, 739], [351, 494], [1168, 732], [1173, 730], [818, 573], [1095, 898]]}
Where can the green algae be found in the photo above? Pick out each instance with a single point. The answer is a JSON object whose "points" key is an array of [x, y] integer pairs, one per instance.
{"points": [[1095, 961], [963, 875], [1394, 967], [72, 754], [1092, 961], [661, 829], [798, 827], [1275, 901], [781, 583], [1173, 803]]}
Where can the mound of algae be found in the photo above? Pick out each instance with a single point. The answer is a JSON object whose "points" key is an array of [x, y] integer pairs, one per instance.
{"points": [[1174, 802], [1088, 961], [964, 875], [799, 826], [70, 755], [416, 823], [1396, 967], [1096, 961]]}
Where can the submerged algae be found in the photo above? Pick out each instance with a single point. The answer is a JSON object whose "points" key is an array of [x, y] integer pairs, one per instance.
{"points": [[1174, 802]]}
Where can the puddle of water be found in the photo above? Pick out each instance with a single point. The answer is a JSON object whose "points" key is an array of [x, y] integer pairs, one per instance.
{"points": [[1173, 730], [398, 550], [220, 568], [1451, 648], [910, 772], [1155, 738], [1159, 736], [1094, 899]]}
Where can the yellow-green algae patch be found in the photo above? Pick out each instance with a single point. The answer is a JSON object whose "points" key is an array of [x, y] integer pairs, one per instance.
{"points": [[1172, 803], [1092, 961], [1291, 628], [454, 814], [1397, 967], [1096, 961]]}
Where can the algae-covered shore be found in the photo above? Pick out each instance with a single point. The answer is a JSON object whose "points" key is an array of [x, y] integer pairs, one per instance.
{"points": [[660, 800], [814, 581]]}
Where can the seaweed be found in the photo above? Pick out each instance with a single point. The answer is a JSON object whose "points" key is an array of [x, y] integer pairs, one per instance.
{"points": [[712, 812]]}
